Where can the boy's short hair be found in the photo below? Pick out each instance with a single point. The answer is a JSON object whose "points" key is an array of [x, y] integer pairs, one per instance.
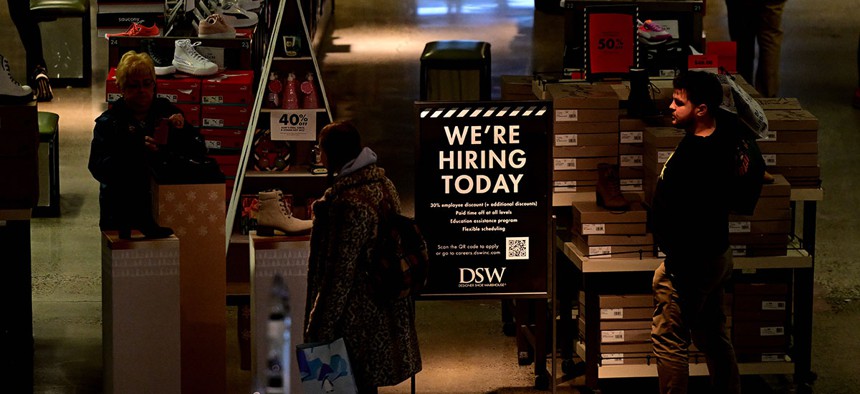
{"points": [[701, 88]]}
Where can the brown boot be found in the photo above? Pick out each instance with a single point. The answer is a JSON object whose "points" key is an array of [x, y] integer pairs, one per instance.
{"points": [[275, 215], [609, 188]]}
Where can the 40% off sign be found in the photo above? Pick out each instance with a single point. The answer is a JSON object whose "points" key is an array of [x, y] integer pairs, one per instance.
{"points": [[293, 125]]}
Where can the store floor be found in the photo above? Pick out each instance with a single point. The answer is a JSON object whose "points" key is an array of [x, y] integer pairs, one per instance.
{"points": [[371, 75]]}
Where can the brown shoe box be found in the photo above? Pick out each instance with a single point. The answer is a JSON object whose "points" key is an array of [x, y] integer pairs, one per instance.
{"points": [[758, 239], [614, 240], [631, 172], [627, 348], [566, 127], [632, 185], [663, 137], [762, 214], [759, 334], [610, 325], [585, 151], [631, 137], [791, 120], [608, 301], [622, 251], [581, 95], [773, 357], [791, 136], [662, 94], [631, 149], [796, 172], [790, 159], [622, 313], [761, 307], [589, 212], [655, 159], [586, 139], [766, 227], [779, 188], [587, 163], [610, 228], [573, 186], [573, 115], [586, 176], [788, 147], [516, 86], [779, 103]]}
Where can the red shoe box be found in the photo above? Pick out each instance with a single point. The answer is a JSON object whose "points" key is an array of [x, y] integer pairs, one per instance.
{"points": [[191, 113], [233, 116], [229, 164], [180, 89], [223, 138], [229, 87]]}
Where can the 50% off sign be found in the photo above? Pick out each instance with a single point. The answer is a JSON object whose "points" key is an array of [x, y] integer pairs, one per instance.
{"points": [[293, 125], [610, 43]]}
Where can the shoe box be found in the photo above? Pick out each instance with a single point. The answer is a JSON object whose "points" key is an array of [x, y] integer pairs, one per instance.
{"points": [[517, 88], [226, 101], [590, 219], [772, 209], [622, 246], [181, 90], [659, 144]]}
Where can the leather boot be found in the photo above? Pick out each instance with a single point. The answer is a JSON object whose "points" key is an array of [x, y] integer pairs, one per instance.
{"points": [[609, 188], [639, 103], [275, 215]]}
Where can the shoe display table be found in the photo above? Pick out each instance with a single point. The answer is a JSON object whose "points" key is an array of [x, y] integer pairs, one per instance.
{"points": [[140, 314], [287, 257]]}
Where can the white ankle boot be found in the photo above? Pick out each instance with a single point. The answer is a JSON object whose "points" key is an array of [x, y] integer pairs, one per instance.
{"points": [[274, 215], [11, 92]]}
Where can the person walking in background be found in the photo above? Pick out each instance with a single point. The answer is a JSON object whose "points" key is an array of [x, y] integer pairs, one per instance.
{"points": [[757, 21], [690, 221], [379, 334], [31, 37]]}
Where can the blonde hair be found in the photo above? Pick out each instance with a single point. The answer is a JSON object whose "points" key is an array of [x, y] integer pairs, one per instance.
{"points": [[133, 63]]}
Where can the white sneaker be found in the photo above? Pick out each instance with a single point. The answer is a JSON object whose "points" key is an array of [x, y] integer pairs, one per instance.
{"points": [[237, 17], [11, 92], [188, 60]]}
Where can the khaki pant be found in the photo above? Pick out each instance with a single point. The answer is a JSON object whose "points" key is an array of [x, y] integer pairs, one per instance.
{"points": [[752, 21], [689, 307]]}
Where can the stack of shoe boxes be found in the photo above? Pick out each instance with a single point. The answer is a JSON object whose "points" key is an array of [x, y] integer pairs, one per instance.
{"points": [[585, 127], [601, 233], [766, 231], [631, 150], [760, 322], [791, 148], [180, 89], [660, 143], [625, 328], [227, 101]]}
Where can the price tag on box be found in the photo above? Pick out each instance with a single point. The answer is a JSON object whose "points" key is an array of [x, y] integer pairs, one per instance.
{"points": [[293, 125]]}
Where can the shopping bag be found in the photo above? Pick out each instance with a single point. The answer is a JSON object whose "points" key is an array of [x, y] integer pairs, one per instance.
{"points": [[324, 368]]}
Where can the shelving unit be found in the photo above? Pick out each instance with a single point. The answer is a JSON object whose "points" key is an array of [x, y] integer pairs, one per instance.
{"points": [[289, 20], [597, 273]]}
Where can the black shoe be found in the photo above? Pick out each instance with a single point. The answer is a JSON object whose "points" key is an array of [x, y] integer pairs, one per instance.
{"points": [[42, 84], [163, 64]]}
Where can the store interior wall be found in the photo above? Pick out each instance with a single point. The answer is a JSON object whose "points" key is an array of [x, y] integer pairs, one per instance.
{"points": [[370, 68]]}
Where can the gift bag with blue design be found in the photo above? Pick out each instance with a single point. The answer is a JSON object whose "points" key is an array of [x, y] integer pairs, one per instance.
{"points": [[324, 368]]}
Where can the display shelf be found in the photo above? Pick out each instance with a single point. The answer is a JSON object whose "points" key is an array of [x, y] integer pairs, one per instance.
{"points": [[269, 110], [292, 59], [301, 171], [698, 369], [796, 258], [807, 194]]}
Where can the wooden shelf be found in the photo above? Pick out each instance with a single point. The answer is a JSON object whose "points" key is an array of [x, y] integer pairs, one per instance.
{"points": [[296, 58], [295, 171], [701, 369]]}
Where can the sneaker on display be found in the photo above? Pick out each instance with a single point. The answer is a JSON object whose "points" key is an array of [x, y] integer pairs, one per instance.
{"points": [[652, 33], [237, 17], [137, 30], [188, 60], [215, 27], [11, 92], [162, 61]]}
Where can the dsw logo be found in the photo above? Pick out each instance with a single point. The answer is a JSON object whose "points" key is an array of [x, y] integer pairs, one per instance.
{"points": [[479, 275]]}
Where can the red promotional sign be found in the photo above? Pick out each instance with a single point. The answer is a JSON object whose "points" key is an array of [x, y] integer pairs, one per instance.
{"points": [[610, 43]]}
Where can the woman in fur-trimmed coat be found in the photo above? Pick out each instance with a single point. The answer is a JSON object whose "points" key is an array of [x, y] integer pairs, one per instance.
{"points": [[380, 335]]}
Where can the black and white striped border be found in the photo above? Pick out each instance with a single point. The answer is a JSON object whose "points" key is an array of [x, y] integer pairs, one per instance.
{"points": [[484, 112]]}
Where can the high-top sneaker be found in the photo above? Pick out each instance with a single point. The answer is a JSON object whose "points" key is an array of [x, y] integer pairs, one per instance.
{"points": [[609, 188], [11, 92], [188, 60], [275, 215], [40, 81], [639, 103], [163, 64]]}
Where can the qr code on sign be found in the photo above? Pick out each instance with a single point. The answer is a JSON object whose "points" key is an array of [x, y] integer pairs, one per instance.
{"points": [[517, 248]]}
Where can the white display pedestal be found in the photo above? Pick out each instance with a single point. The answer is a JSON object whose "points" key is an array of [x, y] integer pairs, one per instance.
{"points": [[288, 257], [140, 315]]}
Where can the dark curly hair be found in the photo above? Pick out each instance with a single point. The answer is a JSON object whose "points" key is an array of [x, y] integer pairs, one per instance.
{"points": [[701, 88]]}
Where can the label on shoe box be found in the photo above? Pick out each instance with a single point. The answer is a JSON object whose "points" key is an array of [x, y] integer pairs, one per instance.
{"points": [[631, 137], [583, 163], [225, 116], [739, 227], [223, 138], [663, 156], [585, 151], [588, 115], [631, 185], [772, 331], [612, 336], [229, 87], [631, 160], [588, 139], [599, 252], [612, 313], [593, 228]]}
